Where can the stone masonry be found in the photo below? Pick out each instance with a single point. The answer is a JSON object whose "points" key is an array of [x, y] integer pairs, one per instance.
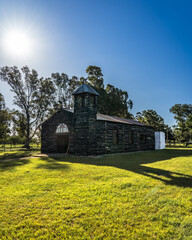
{"points": [[91, 134]]}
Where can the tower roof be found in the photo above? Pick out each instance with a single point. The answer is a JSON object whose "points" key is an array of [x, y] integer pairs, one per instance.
{"points": [[84, 88]]}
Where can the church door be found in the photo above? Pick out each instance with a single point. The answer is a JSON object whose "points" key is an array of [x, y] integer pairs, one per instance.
{"points": [[62, 143], [62, 134]]}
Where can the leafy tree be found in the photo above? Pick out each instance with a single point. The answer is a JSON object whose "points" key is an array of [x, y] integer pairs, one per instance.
{"points": [[117, 102], [169, 134], [14, 140], [33, 95], [112, 101], [95, 76], [72, 85], [151, 118], [64, 86], [4, 120], [83, 80], [61, 96], [19, 123], [183, 116]]}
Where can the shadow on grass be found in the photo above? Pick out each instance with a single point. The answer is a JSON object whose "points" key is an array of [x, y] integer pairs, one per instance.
{"points": [[52, 164], [10, 160], [18, 154], [134, 162], [9, 165]]}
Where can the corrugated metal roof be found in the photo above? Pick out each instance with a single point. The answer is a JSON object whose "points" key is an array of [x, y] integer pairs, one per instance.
{"points": [[84, 88], [103, 117]]}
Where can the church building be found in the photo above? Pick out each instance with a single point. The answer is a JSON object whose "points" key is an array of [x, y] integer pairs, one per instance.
{"points": [[83, 131]]}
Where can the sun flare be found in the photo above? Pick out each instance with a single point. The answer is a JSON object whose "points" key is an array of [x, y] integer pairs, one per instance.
{"points": [[17, 43]]}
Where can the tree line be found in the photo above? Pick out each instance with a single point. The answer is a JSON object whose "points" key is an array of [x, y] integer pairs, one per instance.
{"points": [[37, 98]]}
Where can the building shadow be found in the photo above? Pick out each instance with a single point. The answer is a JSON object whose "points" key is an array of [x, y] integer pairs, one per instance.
{"points": [[168, 177], [52, 164], [135, 162]]}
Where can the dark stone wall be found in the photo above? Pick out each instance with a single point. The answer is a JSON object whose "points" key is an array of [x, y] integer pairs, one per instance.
{"points": [[48, 134], [89, 136], [85, 111], [142, 137]]}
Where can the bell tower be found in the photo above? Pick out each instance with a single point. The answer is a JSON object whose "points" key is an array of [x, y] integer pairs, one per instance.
{"points": [[85, 116]]}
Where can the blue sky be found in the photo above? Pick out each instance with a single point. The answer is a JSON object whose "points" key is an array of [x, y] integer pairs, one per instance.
{"points": [[142, 46]]}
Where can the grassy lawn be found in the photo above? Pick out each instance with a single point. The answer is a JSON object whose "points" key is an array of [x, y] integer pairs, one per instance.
{"points": [[18, 147], [14, 155], [142, 195]]}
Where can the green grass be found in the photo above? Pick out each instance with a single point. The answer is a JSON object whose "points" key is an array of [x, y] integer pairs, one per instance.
{"points": [[16, 154], [177, 145], [17, 147], [143, 195]]}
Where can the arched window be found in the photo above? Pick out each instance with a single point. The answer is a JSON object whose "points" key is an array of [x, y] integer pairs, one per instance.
{"points": [[62, 128]]}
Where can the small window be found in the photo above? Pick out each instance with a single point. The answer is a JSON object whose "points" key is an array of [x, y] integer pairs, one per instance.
{"points": [[130, 137], [86, 101], [79, 101], [115, 135], [92, 100], [62, 128]]}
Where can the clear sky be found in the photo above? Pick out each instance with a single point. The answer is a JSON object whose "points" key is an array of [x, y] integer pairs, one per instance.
{"points": [[142, 46]]}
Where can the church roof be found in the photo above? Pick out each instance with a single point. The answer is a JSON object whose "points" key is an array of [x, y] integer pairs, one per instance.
{"points": [[103, 117], [84, 88]]}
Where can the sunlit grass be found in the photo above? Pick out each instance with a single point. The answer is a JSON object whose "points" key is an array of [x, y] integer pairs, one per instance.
{"points": [[17, 147], [16, 154], [146, 195]]}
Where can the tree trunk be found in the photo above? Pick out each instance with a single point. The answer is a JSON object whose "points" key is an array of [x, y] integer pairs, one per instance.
{"points": [[26, 145]]}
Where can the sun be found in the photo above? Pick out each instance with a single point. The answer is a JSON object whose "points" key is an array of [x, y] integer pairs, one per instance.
{"points": [[17, 43]]}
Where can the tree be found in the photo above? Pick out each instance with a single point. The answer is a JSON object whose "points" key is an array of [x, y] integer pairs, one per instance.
{"points": [[4, 120], [112, 100], [19, 123], [33, 95], [95, 76], [14, 140], [64, 86], [169, 134], [183, 116], [117, 102], [151, 118], [61, 82]]}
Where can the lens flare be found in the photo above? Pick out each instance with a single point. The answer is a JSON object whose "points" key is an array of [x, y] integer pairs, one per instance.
{"points": [[17, 43]]}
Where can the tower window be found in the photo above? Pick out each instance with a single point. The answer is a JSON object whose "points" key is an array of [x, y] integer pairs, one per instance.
{"points": [[92, 100], [79, 102], [86, 101]]}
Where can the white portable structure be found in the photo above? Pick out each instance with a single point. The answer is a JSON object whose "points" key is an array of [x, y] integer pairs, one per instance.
{"points": [[159, 140]]}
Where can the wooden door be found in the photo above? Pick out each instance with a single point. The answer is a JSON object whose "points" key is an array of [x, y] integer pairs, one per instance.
{"points": [[62, 143]]}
